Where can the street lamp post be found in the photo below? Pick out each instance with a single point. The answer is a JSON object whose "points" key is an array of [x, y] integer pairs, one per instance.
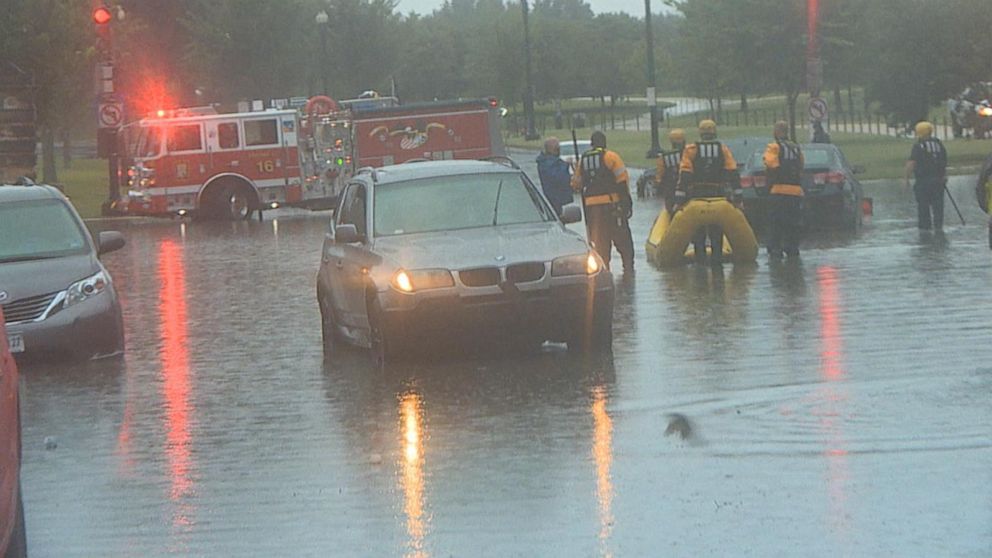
{"points": [[652, 102], [321, 18], [528, 84]]}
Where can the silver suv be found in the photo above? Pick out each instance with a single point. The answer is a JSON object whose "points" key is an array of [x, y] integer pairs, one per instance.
{"points": [[57, 297], [443, 250]]}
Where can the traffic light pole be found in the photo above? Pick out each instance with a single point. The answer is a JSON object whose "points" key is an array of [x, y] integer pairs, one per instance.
{"points": [[652, 102], [529, 92], [109, 108]]}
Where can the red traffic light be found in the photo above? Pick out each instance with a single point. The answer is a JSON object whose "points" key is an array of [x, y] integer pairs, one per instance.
{"points": [[102, 15]]}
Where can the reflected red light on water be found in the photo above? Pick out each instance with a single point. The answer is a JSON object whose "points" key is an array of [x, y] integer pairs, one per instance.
{"points": [[832, 400], [830, 351], [174, 358]]}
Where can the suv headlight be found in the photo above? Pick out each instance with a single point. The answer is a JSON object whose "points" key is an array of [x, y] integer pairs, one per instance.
{"points": [[422, 279], [89, 287], [579, 264]]}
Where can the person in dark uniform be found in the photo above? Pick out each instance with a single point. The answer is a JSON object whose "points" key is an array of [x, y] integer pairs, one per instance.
{"points": [[983, 190], [784, 168], [602, 179], [707, 170], [666, 176], [928, 164]]}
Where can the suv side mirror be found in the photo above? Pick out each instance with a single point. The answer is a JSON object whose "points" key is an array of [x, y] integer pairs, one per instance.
{"points": [[571, 214], [346, 234], [108, 241]]}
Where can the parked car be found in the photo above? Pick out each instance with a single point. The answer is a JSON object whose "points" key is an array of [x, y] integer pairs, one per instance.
{"points": [[568, 153], [833, 196], [458, 249], [57, 297], [13, 539]]}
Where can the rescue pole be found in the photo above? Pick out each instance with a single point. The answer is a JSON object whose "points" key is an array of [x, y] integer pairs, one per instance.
{"points": [[948, 192], [575, 145]]}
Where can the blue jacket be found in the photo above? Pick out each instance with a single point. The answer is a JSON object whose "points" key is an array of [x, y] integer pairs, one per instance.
{"points": [[555, 180]]}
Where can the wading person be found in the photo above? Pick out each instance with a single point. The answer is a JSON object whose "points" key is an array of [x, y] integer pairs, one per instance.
{"points": [[784, 169], [666, 176], [602, 178], [554, 175], [983, 189], [708, 170], [928, 165]]}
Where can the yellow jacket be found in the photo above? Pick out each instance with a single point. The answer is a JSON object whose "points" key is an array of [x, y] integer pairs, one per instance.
{"points": [[772, 162]]}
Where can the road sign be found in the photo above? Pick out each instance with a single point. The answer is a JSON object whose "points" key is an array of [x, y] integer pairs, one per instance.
{"points": [[110, 114], [817, 109]]}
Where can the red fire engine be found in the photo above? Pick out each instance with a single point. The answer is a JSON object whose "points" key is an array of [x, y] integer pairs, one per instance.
{"points": [[229, 165]]}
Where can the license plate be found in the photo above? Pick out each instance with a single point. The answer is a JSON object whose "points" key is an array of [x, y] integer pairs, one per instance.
{"points": [[16, 343]]}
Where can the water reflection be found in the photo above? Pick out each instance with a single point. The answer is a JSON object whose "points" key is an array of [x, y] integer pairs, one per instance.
{"points": [[602, 451], [174, 357], [831, 400], [412, 472]]}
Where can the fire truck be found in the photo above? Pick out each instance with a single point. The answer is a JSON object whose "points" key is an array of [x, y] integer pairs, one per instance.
{"points": [[229, 165]]}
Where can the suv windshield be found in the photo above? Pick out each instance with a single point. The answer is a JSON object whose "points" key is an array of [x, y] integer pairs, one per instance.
{"points": [[457, 202], [36, 230]]}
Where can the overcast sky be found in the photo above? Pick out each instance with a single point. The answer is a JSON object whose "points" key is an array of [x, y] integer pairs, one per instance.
{"points": [[634, 7]]}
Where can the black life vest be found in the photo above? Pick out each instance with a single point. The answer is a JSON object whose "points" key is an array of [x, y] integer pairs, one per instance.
{"points": [[935, 161], [597, 179], [790, 168], [708, 163], [672, 160]]}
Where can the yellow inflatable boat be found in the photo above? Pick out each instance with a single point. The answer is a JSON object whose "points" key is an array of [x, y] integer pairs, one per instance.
{"points": [[671, 236]]}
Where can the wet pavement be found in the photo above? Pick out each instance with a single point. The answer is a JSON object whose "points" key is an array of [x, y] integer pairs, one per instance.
{"points": [[840, 407]]}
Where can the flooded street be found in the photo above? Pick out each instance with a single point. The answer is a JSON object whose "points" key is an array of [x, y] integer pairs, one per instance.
{"points": [[840, 407]]}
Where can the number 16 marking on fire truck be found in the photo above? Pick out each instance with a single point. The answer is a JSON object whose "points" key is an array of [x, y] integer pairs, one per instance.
{"points": [[266, 166]]}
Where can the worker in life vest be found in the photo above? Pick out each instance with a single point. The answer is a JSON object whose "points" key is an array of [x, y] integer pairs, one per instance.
{"points": [[601, 177], [666, 176], [707, 170], [928, 164], [983, 189], [784, 169]]}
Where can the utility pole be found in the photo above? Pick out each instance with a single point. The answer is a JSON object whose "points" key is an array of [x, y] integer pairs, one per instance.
{"points": [[652, 99], [529, 86], [814, 68]]}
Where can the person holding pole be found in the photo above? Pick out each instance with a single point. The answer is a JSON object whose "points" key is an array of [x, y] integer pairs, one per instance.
{"points": [[928, 165]]}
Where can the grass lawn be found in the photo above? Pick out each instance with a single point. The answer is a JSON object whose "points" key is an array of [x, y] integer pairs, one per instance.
{"points": [[882, 157]]}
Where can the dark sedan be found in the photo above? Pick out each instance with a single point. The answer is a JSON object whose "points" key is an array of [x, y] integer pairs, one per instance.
{"points": [[467, 250], [833, 196]]}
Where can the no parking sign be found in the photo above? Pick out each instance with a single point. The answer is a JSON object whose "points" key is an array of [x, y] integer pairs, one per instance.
{"points": [[817, 109], [110, 114]]}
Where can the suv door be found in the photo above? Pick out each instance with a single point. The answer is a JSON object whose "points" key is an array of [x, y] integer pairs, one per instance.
{"points": [[356, 257]]}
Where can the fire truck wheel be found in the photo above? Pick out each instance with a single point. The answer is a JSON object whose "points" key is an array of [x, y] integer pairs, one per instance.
{"points": [[228, 200]]}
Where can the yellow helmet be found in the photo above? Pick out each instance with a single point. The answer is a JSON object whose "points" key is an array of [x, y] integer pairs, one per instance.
{"points": [[707, 128], [677, 135], [924, 129]]}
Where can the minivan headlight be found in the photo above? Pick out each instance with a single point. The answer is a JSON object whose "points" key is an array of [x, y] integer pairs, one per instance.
{"points": [[89, 287], [579, 264]]}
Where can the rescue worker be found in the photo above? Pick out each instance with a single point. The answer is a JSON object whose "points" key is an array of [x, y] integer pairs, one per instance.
{"points": [[707, 170], [601, 177], [784, 168], [928, 164], [983, 189], [666, 177], [554, 174]]}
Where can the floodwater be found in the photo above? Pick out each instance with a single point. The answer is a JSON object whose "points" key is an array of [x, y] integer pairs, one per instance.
{"points": [[840, 407]]}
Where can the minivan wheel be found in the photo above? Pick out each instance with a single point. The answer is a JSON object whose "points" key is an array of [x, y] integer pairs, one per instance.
{"points": [[18, 547]]}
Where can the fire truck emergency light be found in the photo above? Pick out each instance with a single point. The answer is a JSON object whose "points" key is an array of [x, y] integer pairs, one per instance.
{"points": [[102, 15]]}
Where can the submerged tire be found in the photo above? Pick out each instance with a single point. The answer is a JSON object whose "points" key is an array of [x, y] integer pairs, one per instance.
{"points": [[230, 200], [598, 337]]}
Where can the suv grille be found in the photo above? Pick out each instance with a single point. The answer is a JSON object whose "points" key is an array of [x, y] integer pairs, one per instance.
{"points": [[480, 277], [525, 272], [27, 309]]}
